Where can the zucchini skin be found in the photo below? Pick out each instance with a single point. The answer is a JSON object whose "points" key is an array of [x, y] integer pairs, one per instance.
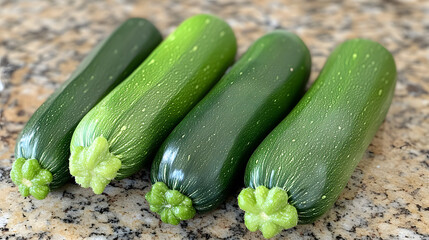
{"points": [[312, 153], [46, 136], [138, 115], [207, 152]]}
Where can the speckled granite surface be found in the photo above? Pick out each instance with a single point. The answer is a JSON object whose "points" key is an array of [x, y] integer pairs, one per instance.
{"points": [[41, 42]]}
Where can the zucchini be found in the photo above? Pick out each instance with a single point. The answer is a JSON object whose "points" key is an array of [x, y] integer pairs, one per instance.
{"points": [[197, 166], [118, 136], [42, 149], [300, 169]]}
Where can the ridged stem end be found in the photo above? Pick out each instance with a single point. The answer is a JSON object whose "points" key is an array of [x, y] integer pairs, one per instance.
{"points": [[31, 178], [267, 210], [94, 166], [171, 205]]}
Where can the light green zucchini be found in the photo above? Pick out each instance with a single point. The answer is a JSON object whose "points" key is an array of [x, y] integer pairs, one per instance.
{"points": [[120, 135]]}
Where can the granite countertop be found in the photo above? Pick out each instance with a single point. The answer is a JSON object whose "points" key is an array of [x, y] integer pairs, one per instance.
{"points": [[41, 42]]}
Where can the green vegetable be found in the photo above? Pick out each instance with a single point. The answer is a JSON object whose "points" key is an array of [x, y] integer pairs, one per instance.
{"points": [[312, 153], [121, 133], [42, 149], [204, 155]]}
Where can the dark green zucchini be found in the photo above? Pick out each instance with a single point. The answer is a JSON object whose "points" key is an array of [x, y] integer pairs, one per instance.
{"points": [[197, 166], [42, 149], [119, 135], [300, 169]]}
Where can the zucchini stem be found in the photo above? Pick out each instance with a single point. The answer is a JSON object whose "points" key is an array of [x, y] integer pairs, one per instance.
{"points": [[267, 210], [171, 205], [31, 178], [94, 166]]}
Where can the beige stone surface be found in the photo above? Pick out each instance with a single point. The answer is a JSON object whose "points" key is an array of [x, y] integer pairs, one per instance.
{"points": [[41, 42]]}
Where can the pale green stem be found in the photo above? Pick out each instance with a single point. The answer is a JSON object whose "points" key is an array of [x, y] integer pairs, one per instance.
{"points": [[267, 210], [31, 178], [94, 166], [171, 205]]}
